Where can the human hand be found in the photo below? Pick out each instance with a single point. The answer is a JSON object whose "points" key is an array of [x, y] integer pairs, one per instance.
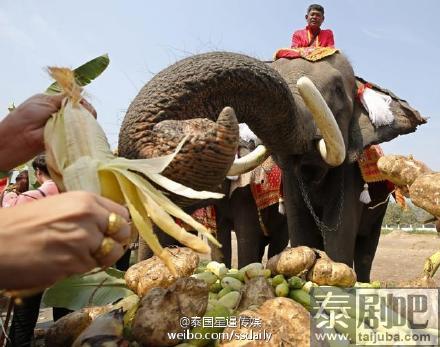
{"points": [[22, 130], [56, 237]]}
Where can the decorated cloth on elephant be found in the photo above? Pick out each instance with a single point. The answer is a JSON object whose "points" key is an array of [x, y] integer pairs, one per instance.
{"points": [[308, 53], [265, 183], [206, 216]]}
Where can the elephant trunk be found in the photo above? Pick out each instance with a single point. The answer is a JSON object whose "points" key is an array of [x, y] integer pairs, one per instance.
{"points": [[187, 97]]}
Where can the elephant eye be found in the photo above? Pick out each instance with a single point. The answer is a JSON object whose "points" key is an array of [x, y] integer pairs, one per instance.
{"points": [[339, 91]]}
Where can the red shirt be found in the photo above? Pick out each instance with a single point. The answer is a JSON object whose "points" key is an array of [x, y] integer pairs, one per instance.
{"points": [[302, 38]]}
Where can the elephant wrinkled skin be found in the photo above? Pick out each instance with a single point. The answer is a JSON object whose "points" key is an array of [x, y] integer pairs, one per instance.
{"points": [[266, 97]]}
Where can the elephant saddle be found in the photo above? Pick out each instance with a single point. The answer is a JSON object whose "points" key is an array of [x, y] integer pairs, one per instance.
{"points": [[308, 53], [368, 164]]}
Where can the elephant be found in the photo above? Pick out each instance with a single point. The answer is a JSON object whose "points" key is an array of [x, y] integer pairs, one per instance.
{"points": [[307, 115], [251, 209]]}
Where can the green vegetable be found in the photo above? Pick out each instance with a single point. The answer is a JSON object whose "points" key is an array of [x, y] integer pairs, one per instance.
{"points": [[223, 292], [207, 276], [230, 300], [230, 282], [301, 297], [217, 311], [215, 287], [278, 279], [282, 289], [296, 282]]}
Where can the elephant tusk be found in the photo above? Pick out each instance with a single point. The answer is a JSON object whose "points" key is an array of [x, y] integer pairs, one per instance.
{"points": [[249, 161], [331, 146]]}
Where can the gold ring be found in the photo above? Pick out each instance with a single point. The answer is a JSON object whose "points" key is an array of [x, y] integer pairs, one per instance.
{"points": [[114, 224], [106, 246]]}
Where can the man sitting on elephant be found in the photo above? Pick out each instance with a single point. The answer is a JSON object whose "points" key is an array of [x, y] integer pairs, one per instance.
{"points": [[312, 35]]}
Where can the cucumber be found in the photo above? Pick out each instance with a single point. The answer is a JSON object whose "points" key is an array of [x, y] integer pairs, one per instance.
{"points": [[230, 300], [207, 276], [301, 297], [295, 282], [215, 287], [217, 311], [230, 282], [223, 292], [282, 289], [237, 275], [276, 280]]}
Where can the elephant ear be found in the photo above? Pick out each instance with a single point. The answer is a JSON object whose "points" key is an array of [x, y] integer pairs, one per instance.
{"points": [[364, 133]]}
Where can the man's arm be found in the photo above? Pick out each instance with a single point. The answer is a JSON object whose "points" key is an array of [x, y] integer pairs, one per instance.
{"points": [[296, 40], [331, 39]]}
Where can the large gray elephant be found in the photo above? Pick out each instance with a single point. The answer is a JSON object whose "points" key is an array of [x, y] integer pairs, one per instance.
{"points": [[250, 208], [316, 143]]}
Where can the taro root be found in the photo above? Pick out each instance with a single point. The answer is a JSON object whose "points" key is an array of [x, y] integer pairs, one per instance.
{"points": [[292, 261], [286, 320], [401, 170], [65, 330], [105, 330], [326, 272], [255, 292], [161, 309], [425, 193], [153, 272]]}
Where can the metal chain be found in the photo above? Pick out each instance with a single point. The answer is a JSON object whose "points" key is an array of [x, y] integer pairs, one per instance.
{"points": [[323, 228]]}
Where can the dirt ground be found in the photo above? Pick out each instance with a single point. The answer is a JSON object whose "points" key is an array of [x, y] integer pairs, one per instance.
{"points": [[401, 255]]}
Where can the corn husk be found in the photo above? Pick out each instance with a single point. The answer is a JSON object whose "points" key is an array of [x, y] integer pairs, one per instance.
{"points": [[79, 158]]}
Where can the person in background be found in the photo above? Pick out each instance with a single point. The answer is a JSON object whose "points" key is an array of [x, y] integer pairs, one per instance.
{"points": [[47, 185], [312, 35], [26, 315], [9, 196]]}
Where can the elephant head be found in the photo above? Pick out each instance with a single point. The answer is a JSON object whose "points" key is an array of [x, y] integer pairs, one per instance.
{"points": [[202, 96], [190, 97]]}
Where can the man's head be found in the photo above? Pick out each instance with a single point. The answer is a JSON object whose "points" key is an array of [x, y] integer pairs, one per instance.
{"points": [[22, 182], [40, 167], [315, 16]]}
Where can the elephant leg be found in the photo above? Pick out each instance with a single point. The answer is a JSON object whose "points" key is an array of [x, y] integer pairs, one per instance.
{"points": [[224, 228], [276, 223], [344, 186], [250, 246], [369, 231], [144, 252], [302, 229], [364, 254]]}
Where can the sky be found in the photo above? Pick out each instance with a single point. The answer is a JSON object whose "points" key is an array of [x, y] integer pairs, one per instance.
{"points": [[392, 43]]}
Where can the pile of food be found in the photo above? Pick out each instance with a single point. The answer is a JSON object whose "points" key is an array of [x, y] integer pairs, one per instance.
{"points": [[165, 308]]}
